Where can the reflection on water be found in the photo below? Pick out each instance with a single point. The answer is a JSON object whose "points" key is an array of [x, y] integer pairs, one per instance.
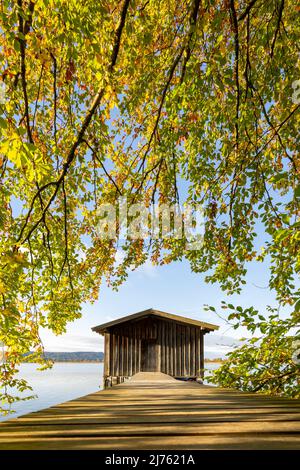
{"points": [[65, 381]]}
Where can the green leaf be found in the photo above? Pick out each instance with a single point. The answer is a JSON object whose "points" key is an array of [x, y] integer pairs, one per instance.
{"points": [[3, 123], [278, 177]]}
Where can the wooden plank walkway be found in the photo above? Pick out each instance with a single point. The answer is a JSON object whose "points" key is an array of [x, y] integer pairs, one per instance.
{"points": [[155, 411]]}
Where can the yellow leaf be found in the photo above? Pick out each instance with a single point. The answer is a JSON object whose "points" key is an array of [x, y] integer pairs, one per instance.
{"points": [[2, 288]]}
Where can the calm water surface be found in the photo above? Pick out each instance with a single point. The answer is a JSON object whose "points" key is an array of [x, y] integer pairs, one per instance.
{"points": [[65, 381]]}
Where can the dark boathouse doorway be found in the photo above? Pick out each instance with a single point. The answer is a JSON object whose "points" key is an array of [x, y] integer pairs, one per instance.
{"points": [[149, 355]]}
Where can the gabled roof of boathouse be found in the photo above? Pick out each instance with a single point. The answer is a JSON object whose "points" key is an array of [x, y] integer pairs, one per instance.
{"points": [[155, 313]]}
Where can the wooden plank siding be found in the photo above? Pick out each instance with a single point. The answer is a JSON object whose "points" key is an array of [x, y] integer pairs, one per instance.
{"points": [[192, 353], [106, 353], [179, 349], [202, 354], [187, 350], [162, 347], [197, 353], [153, 344], [169, 343], [174, 349], [159, 349]]}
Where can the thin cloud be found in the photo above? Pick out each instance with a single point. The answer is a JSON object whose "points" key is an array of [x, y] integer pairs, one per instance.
{"points": [[73, 343], [215, 345]]}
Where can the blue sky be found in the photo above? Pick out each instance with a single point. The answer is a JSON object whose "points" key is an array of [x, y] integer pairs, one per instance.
{"points": [[172, 288], [175, 289]]}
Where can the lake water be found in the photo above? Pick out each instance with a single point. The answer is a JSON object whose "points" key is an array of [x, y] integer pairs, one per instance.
{"points": [[65, 381]]}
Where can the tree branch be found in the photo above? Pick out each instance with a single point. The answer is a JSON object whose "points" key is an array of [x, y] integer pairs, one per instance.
{"points": [[66, 257], [237, 80], [80, 136], [164, 93], [281, 7], [193, 21], [247, 10], [54, 96], [23, 30], [277, 377], [103, 167]]}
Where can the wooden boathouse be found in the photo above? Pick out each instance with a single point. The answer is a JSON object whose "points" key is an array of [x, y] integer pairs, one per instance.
{"points": [[153, 341]]}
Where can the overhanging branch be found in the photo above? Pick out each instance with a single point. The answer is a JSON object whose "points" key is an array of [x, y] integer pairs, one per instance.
{"points": [[80, 136]]}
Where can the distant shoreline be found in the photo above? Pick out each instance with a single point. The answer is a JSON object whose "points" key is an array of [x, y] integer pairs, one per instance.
{"points": [[66, 362], [74, 356], [85, 357], [218, 360]]}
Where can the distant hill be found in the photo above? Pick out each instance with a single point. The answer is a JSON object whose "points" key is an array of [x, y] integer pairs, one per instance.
{"points": [[91, 356], [80, 356]]}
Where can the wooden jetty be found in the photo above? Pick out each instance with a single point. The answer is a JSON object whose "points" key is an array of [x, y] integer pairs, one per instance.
{"points": [[155, 411]]}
